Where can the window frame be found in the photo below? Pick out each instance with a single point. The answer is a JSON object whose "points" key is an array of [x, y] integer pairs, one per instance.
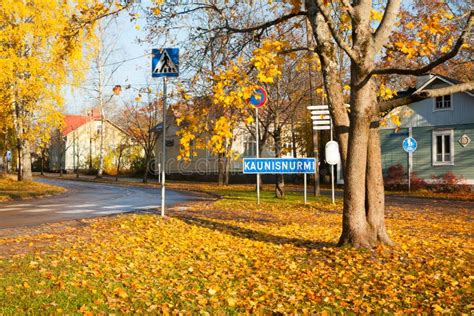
{"points": [[435, 109], [248, 144], [435, 134]]}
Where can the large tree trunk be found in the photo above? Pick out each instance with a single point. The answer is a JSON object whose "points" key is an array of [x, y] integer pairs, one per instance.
{"points": [[375, 187], [364, 204], [19, 158], [100, 172], [147, 168], [279, 179], [42, 161], [27, 175], [220, 170]]}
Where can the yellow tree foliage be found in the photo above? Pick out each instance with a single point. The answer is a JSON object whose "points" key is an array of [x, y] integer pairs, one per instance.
{"points": [[215, 121], [42, 45]]}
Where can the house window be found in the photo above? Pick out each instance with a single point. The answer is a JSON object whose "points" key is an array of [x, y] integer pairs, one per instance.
{"points": [[443, 147], [99, 127], [250, 148], [443, 102]]}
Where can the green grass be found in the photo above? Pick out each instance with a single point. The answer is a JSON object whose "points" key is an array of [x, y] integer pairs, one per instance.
{"points": [[267, 196], [10, 189]]}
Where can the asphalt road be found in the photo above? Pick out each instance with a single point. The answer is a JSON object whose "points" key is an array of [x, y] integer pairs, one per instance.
{"points": [[84, 200]]}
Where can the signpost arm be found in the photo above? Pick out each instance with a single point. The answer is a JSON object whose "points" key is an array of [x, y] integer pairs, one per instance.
{"points": [[257, 139], [163, 153]]}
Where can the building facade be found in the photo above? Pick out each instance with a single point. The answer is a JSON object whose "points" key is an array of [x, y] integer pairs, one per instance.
{"points": [[204, 162], [443, 128], [77, 146]]}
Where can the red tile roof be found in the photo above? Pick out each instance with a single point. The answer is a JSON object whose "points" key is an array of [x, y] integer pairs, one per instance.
{"points": [[73, 122]]}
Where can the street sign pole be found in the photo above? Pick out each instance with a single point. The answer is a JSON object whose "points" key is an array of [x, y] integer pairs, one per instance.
{"points": [[258, 99], [257, 138], [163, 153], [409, 146], [332, 172], [164, 63], [410, 162], [305, 189]]}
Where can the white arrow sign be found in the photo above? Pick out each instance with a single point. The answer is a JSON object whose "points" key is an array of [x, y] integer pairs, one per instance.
{"points": [[321, 117], [320, 112], [321, 127], [318, 107], [322, 122]]}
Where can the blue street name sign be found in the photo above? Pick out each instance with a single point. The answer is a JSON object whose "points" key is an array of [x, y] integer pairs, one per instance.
{"points": [[409, 144], [279, 165], [165, 62]]}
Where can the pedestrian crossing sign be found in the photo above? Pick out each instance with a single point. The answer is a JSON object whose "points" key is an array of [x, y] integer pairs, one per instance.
{"points": [[165, 62]]}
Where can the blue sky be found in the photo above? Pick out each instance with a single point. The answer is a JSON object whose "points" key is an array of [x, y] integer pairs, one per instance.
{"points": [[135, 72]]}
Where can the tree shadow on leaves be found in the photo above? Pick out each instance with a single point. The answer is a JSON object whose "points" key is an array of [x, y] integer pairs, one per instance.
{"points": [[250, 233]]}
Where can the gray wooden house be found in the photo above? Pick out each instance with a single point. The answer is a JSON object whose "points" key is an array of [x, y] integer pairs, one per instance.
{"points": [[443, 128]]}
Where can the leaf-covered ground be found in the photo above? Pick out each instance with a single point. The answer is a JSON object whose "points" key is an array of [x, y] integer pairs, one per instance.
{"points": [[233, 256], [10, 189]]}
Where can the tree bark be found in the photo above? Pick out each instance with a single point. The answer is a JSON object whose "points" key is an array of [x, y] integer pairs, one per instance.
{"points": [[119, 160], [279, 180], [354, 222], [147, 167], [220, 170], [19, 159], [26, 162], [375, 188], [42, 161]]}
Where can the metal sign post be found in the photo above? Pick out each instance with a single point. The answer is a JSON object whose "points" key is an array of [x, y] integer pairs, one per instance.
{"points": [[257, 138], [164, 63], [321, 117], [332, 174], [305, 189], [409, 145], [163, 153], [9, 158], [333, 158], [281, 166], [257, 100]]}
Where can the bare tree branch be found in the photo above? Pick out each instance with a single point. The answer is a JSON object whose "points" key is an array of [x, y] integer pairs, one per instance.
{"points": [[265, 25], [453, 52], [348, 7], [383, 31], [425, 94], [296, 49], [332, 27]]}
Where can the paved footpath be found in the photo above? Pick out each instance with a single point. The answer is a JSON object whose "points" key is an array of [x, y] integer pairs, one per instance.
{"points": [[84, 200]]}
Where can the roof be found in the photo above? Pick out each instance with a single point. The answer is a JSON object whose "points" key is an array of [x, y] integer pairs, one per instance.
{"points": [[73, 122], [445, 79]]}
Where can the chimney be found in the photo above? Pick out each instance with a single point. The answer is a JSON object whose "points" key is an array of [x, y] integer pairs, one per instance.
{"points": [[421, 80]]}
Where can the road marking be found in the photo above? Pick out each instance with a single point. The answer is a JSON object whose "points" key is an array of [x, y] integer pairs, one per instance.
{"points": [[83, 205], [37, 211], [116, 206], [76, 211], [146, 207], [110, 212], [6, 209]]}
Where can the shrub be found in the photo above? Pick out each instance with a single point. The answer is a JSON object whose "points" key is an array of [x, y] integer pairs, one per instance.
{"points": [[449, 183], [417, 183], [395, 177]]}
